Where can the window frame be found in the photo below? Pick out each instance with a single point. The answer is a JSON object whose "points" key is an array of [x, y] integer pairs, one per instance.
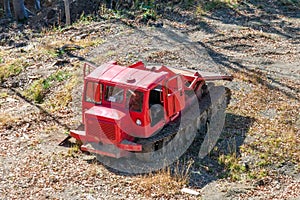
{"points": [[100, 92]]}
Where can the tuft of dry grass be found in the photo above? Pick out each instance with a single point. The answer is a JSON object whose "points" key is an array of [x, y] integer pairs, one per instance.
{"points": [[160, 184], [232, 165], [73, 150], [165, 182], [37, 90]]}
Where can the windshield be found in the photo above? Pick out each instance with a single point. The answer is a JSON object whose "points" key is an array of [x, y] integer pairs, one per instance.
{"points": [[114, 94], [93, 92]]}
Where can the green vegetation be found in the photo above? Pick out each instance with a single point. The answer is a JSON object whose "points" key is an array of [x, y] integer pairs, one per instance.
{"points": [[12, 69], [275, 141], [62, 97], [234, 168], [38, 89], [59, 76], [3, 94], [73, 150], [149, 13], [148, 10], [85, 19]]}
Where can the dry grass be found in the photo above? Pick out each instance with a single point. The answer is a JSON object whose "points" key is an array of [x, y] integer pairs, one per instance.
{"points": [[11, 68], [3, 95], [206, 6], [7, 119], [167, 181], [73, 150], [63, 96], [160, 184], [232, 165], [277, 138], [58, 42], [37, 90]]}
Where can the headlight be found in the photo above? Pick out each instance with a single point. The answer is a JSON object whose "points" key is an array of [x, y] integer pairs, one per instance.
{"points": [[138, 122]]}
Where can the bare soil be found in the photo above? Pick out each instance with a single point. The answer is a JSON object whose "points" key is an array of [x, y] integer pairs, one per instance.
{"points": [[259, 47]]}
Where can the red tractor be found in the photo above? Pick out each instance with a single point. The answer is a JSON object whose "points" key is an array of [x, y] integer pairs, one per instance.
{"points": [[124, 109]]}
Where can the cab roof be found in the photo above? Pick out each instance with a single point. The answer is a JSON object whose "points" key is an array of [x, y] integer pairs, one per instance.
{"points": [[135, 77]]}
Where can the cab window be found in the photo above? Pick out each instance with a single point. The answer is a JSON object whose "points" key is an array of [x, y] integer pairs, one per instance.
{"points": [[135, 100], [93, 92], [114, 94]]}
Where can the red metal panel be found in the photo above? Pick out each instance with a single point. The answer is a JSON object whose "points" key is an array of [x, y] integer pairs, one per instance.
{"points": [[103, 151], [137, 77], [105, 131], [105, 112], [81, 135], [99, 71], [109, 129], [120, 75], [175, 97]]}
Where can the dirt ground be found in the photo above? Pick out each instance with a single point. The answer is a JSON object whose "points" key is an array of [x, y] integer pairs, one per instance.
{"points": [[259, 47]]}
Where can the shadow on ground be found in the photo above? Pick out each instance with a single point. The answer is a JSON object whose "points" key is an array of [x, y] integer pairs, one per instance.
{"points": [[208, 169], [262, 16], [198, 171]]}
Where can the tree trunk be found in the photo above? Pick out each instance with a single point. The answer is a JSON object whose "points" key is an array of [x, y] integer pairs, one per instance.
{"points": [[20, 10], [7, 8], [67, 12]]}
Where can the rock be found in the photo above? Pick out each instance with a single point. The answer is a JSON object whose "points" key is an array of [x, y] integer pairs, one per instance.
{"points": [[190, 191], [269, 113]]}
